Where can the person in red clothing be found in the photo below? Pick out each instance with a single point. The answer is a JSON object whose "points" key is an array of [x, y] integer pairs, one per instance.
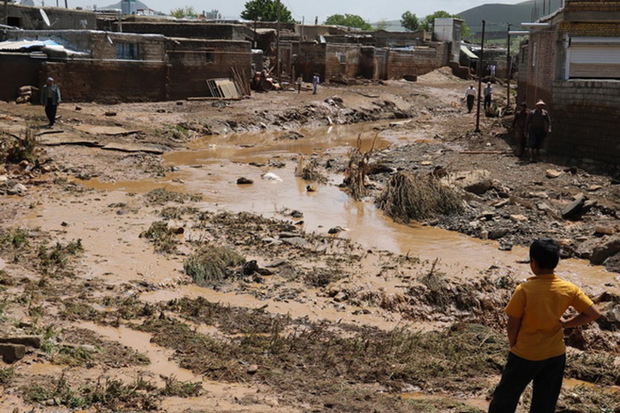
{"points": [[536, 332]]}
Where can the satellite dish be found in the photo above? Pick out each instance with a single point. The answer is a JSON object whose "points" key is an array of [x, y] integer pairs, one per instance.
{"points": [[45, 18]]}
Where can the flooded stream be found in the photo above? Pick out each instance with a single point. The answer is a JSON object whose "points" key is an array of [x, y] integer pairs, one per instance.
{"points": [[213, 165]]}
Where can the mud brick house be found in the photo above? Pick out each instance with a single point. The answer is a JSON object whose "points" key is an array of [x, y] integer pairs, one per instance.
{"points": [[572, 61], [31, 18], [338, 53], [144, 62]]}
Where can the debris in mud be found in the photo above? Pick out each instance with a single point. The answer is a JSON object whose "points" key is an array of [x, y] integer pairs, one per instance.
{"points": [[416, 197], [212, 265], [309, 171], [244, 181]]}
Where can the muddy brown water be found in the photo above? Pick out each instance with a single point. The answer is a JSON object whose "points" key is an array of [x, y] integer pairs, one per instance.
{"points": [[212, 166]]}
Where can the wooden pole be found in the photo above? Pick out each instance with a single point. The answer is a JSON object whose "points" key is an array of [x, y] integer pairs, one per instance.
{"points": [[508, 71], [480, 63], [278, 45]]}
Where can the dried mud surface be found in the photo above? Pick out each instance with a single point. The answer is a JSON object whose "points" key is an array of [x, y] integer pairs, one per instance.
{"points": [[150, 300]]}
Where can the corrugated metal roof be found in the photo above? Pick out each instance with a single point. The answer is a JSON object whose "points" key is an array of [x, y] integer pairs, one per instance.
{"points": [[468, 52], [26, 45]]}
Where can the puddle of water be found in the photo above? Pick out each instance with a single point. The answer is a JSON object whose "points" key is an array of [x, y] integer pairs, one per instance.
{"points": [[213, 170]]}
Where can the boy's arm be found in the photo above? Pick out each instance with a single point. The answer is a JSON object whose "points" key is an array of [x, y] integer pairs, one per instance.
{"points": [[590, 314], [514, 324]]}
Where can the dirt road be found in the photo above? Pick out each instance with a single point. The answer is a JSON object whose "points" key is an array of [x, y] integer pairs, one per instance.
{"points": [[140, 273]]}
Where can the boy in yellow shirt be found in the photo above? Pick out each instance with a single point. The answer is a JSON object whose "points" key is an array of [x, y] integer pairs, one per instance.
{"points": [[536, 333]]}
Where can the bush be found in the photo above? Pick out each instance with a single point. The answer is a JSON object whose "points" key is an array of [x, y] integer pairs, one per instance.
{"points": [[212, 265]]}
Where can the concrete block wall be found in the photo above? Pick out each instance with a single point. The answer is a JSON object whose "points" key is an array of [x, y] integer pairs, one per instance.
{"points": [[30, 18], [190, 30], [586, 120]]}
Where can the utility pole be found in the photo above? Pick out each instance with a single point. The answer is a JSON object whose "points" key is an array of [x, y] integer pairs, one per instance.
{"points": [[508, 71], [278, 44], [480, 63]]}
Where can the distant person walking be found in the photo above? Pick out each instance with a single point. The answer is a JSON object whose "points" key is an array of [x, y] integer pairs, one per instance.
{"points": [[470, 96], [488, 95], [492, 69], [537, 125], [518, 127], [315, 83], [300, 81], [50, 98]]}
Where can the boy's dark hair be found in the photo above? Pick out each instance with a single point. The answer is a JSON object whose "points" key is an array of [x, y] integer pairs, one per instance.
{"points": [[546, 252]]}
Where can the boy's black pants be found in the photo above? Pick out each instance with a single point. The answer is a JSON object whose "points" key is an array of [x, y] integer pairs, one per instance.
{"points": [[518, 373]]}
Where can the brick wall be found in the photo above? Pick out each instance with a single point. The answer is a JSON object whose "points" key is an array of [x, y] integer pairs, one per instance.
{"points": [[541, 67], [190, 30], [585, 120]]}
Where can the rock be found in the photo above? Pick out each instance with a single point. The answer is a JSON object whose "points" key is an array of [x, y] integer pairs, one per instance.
{"points": [[540, 194], [605, 250], [518, 218], [250, 267], [543, 207], [252, 369], [573, 210], [310, 188], [29, 341], [297, 241], [17, 189], [287, 234], [426, 163], [476, 181], [593, 188], [501, 203], [297, 214], [334, 230], [12, 352], [110, 113], [604, 230], [244, 181], [505, 246], [340, 297], [486, 215], [553, 173]]}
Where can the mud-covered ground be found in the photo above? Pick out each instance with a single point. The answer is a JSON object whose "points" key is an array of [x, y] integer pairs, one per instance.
{"points": [[148, 299]]}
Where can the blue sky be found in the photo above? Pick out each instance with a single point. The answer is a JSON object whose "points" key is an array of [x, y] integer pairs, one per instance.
{"points": [[371, 10]]}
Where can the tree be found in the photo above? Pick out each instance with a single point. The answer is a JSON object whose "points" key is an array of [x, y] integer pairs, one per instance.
{"points": [[349, 20], [409, 21], [381, 24], [187, 11], [267, 11], [427, 23]]}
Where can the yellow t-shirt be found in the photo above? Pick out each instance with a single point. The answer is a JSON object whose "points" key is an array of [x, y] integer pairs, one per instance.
{"points": [[539, 303]]}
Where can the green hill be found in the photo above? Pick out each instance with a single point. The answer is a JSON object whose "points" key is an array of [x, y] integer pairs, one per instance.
{"points": [[497, 16]]}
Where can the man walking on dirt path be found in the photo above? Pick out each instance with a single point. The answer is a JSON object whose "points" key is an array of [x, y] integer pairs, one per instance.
{"points": [[537, 126], [50, 98], [518, 126], [470, 96], [536, 332], [488, 95], [315, 83]]}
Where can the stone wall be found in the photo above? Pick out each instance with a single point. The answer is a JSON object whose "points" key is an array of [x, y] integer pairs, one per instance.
{"points": [[585, 120]]}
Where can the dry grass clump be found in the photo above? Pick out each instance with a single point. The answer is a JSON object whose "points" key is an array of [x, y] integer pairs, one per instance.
{"points": [[15, 149], [357, 170], [411, 196], [162, 196], [163, 238], [308, 171], [212, 265]]}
